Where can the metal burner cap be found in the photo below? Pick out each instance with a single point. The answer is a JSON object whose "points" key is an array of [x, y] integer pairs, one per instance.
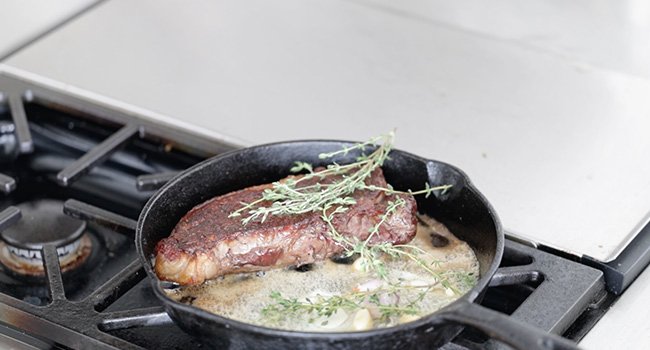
{"points": [[43, 222]]}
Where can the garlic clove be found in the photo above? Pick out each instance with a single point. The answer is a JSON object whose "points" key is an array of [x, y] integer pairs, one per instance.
{"points": [[362, 320], [368, 286], [417, 283], [359, 265], [332, 322], [408, 318]]}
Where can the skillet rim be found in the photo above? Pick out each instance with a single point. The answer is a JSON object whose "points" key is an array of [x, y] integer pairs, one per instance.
{"points": [[434, 318]]}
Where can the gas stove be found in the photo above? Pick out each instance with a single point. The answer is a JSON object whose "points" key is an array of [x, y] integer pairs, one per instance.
{"points": [[75, 174]]}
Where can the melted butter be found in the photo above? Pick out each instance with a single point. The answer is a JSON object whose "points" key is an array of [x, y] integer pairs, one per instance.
{"points": [[243, 296]]}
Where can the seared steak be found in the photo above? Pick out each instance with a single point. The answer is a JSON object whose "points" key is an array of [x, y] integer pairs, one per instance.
{"points": [[206, 243]]}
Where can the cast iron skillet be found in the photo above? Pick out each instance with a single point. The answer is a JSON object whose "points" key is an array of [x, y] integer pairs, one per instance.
{"points": [[462, 208]]}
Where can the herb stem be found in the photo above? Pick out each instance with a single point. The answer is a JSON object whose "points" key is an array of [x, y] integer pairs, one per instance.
{"points": [[332, 194]]}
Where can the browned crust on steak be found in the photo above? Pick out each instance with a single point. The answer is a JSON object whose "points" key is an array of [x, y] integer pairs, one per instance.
{"points": [[206, 243]]}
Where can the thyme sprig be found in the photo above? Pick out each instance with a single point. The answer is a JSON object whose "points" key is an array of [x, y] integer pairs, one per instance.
{"points": [[331, 194], [329, 191], [371, 254], [282, 308], [334, 187]]}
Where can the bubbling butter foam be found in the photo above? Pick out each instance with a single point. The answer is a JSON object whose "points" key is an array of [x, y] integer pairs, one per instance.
{"points": [[242, 297]]}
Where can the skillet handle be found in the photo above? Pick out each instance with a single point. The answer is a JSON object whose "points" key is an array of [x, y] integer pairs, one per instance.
{"points": [[501, 327]]}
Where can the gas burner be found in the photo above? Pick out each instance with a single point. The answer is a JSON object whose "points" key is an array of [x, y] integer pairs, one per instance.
{"points": [[43, 222]]}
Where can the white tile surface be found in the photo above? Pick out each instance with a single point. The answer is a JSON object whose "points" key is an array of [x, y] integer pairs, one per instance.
{"points": [[24, 20], [610, 34], [557, 144]]}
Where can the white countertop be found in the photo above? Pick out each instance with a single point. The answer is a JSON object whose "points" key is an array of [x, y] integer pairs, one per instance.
{"points": [[610, 35], [545, 107], [22, 21]]}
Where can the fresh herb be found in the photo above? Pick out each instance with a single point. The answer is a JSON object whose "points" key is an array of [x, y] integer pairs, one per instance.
{"points": [[371, 254], [329, 192], [322, 307], [334, 187], [332, 194], [464, 280], [281, 307]]}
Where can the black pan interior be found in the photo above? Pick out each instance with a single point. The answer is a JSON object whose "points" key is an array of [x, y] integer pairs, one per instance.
{"points": [[462, 208]]}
